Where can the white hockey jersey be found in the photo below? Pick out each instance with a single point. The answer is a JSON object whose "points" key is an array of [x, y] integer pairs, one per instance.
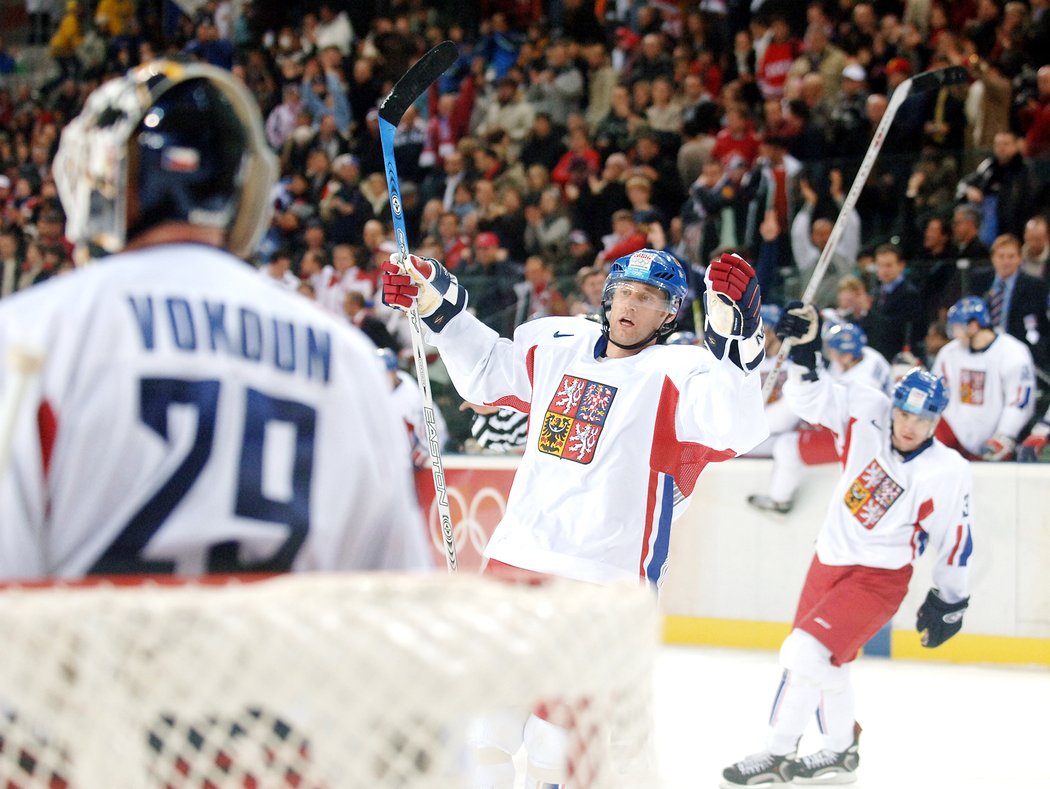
{"points": [[189, 418], [872, 370], [408, 404], [991, 392], [888, 508], [595, 493]]}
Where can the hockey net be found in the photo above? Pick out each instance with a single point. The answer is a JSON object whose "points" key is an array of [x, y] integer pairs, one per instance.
{"points": [[371, 680]]}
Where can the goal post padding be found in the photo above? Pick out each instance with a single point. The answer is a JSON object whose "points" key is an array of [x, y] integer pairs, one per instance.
{"points": [[368, 680]]}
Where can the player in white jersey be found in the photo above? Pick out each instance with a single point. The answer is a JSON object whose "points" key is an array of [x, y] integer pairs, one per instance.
{"points": [[851, 362], [618, 423], [189, 417], [408, 404], [991, 379], [901, 492]]}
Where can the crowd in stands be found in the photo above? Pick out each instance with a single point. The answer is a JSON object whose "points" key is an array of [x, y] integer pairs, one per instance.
{"points": [[570, 132]]}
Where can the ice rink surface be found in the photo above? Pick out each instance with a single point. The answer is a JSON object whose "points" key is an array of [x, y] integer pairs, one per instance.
{"points": [[926, 725]]}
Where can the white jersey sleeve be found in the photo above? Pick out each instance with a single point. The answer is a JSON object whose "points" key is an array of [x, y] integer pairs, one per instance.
{"points": [[191, 418], [614, 446]]}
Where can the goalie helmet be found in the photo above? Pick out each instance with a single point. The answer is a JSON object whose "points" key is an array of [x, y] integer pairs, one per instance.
{"points": [[970, 308], [921, 393], [166, 142], [650, 267], [847, 338]]}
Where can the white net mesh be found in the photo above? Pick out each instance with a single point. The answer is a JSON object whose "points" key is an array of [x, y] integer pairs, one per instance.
{"points": [[317, 681]]}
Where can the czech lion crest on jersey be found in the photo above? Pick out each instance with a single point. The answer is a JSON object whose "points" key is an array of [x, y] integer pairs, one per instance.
{"points": [[871, 494], [971, 387], [575, 418]]}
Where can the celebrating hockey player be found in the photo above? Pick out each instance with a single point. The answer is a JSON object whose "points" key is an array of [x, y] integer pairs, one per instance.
{"points": [[902, 491], [620, 426], [188, 417], [991, 381]]}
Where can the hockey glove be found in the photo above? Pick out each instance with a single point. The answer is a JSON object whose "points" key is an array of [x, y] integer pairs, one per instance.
{"points": [[800, 324], [1030, 448], [937, 620], [997, 448], [435, 290], [733, 303]]}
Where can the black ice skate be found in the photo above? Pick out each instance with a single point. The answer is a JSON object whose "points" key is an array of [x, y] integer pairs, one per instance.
{"points": [[829, 767], [759, 769]]}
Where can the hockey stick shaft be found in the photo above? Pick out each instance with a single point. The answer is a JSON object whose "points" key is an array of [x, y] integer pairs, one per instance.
{"points": [[921, 83], [409, 88]]}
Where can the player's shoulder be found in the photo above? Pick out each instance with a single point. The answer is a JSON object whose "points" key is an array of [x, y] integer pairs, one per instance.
{"points": [[1013, 348], [946, 461], [559, 330]]}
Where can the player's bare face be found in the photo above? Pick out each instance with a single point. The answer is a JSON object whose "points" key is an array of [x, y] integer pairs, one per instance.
{"points": [[910, 430], [637, 312]]}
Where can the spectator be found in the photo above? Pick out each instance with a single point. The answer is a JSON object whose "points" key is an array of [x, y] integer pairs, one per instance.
{"points": [[897, 320], [558, 87], [601, 81], [63, 47], [547, 226], [849, 120], [490, 278], [810, 234], [538, 296], [441, 184], [615, 131], [1017, 301], [1036, 249], [333, 29], [590, 280], [358, 311], [1036, 117], [665, 112], [777, 58], [625, 235], [990, 379], [10, 261], [651, 161], [283, 118], [343, 207], [542, 144], [1000, 188], [819, 56], [206, 45], [279, 270], [509, 111], [652, 60], [736, 137], [323, 94], [580, 161]]}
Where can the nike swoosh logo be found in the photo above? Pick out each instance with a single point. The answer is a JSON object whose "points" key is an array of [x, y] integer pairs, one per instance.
{"points": [[876, 425], [562, 334]]}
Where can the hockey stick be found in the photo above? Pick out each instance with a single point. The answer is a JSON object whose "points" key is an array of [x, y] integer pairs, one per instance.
{"points": [[22, 364], [920, 83], [409, 88]]}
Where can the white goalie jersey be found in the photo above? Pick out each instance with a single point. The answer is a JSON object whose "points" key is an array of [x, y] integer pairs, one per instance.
{"points": [[614, 446], [191, 418]]}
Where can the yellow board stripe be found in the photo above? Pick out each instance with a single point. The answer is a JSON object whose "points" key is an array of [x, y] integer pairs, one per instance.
{"points": [[963, 648]]}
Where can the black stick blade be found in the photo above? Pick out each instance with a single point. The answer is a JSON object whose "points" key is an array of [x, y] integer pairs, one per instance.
{"points": [[939, 78], [416, 80]]}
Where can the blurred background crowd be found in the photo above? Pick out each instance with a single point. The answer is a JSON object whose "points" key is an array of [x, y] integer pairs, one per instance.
{"points": [[571, 132]]}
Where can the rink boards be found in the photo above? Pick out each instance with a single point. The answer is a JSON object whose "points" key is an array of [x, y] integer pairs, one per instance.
{"points": [[735, 573]]}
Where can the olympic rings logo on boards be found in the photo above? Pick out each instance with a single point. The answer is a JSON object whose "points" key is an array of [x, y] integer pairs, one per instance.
{"points": [[466, 528]]}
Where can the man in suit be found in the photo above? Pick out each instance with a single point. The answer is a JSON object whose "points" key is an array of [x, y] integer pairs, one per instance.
{"points": [[1017, 302], [897, 318]]}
